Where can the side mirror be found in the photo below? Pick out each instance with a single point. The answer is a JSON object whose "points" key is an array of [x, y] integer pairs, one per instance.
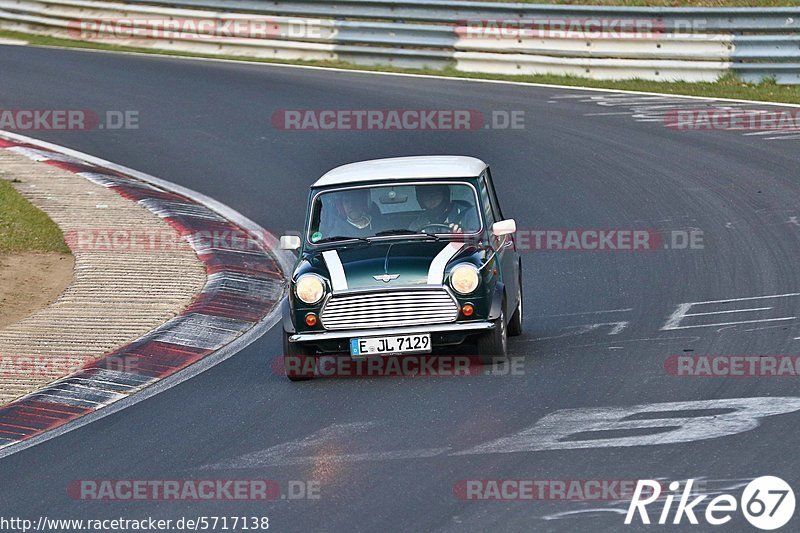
{"points": [[290, 242], [504, 227]]}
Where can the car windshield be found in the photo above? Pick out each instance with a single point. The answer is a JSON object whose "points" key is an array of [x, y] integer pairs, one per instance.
{"points": [[440, 208]]}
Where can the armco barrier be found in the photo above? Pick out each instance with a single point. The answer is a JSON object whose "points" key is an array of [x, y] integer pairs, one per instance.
{"points": [[692, 44]]}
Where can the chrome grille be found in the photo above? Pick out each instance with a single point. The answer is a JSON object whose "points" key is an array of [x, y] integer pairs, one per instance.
{"points": [[389, 309]]}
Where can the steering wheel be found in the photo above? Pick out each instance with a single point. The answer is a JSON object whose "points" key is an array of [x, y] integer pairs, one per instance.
{"points": [[443, 226]]}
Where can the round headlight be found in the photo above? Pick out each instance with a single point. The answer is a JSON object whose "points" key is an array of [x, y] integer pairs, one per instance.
{"points": [[465, 278], [309, 288]]}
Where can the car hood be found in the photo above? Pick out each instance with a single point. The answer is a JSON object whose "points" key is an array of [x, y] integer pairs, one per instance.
{"points": [[389, 264]]}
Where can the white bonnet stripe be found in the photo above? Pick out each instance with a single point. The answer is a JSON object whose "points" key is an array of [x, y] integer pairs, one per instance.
{"points": [[436, 270], [336, 270]]}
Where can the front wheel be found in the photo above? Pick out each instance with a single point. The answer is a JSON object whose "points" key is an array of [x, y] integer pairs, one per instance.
{"points": [[298, 360], [492, 346]]}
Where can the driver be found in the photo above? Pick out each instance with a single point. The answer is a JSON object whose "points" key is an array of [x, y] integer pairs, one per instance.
{"points": [[440, 210]]}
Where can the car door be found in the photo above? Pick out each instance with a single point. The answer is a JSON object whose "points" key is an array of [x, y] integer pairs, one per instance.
{"points": [[505, 246]]}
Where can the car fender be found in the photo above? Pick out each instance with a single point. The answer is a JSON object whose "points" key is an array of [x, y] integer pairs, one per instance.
{"points": [[286, 312], [497, 300]]}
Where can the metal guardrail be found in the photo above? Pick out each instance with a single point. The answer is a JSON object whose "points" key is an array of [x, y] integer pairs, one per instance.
{"points": [[693, 44], [716, 19]]}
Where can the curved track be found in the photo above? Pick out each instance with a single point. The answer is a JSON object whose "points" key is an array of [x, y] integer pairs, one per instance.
{"points": [[205, 125]]}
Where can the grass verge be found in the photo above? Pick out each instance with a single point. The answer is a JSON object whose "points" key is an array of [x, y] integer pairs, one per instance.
{"points": [[666, 3], [727, 87], [24, 228]]}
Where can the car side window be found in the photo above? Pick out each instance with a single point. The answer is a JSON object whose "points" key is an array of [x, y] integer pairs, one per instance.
{"points": [[488, 211], [493, 195]]}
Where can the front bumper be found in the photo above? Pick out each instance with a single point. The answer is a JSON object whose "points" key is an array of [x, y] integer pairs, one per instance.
{"points": [[441, 334]]}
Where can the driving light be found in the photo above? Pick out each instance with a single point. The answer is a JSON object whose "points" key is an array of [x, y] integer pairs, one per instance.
{"points": [[309, 288], [464, 279]]}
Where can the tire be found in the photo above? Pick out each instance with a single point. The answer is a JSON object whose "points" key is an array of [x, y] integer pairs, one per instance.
{"points": [[298, 361], [492, 346], [515, 324]]}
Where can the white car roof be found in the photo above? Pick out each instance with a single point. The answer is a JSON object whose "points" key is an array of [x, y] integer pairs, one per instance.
{"points": [[404, 168]]}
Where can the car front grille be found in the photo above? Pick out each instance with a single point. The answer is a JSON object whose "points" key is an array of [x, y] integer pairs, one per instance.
{"points": [[363, 310]]}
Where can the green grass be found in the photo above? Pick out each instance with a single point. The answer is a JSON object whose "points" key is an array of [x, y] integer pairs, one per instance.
{"points": [[727, 87], [23, 227]]}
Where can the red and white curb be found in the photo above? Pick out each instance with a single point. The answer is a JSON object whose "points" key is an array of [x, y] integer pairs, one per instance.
{"points": [[239, 303]]}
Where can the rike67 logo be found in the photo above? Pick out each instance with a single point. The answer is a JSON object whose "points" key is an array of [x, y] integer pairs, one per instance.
{"points": [[767, 503]]}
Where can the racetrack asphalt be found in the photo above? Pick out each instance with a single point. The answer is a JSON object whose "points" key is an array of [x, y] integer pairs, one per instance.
{"points": [[386, 451]]}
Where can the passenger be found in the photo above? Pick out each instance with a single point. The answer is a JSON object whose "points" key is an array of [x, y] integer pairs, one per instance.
{"points": [[441, 214], [354, 218]]}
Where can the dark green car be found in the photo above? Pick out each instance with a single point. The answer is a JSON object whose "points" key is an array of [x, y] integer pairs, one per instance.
{"points": [[402, 256]]}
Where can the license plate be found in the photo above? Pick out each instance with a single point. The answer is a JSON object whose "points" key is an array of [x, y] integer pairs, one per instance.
{"points": [[395, 344]]}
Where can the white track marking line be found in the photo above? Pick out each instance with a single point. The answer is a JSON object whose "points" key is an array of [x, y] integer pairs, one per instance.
{"points": [[763, 328], [588, 328], [735, 323], [570, 514], [708, 487], [730, 311], [618, 341], [559, 430], [682, 311], [749, 298], [783, 138], [676, 317], [608, 114], [588, 313], [771, 132], [296, 452]]}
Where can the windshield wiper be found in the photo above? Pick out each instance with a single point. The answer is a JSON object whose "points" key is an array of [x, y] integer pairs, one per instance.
{"points": [[406, 232], [395, 232], [335, 238]]}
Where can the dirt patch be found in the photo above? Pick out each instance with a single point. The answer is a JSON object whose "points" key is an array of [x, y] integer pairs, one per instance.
{"points": [[30, 281]]}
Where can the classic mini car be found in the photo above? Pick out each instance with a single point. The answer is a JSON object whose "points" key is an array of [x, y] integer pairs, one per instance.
{"points": [[400, 256]]}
